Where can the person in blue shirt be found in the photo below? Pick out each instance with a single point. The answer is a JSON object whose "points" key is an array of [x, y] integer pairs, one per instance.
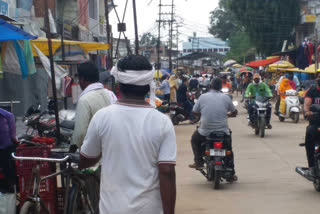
{"points": [[165, 87]]}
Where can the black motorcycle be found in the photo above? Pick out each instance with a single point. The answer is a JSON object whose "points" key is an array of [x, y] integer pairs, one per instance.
{"points": [[217, 155], [178, 114], [304, 171], [260, 107]]}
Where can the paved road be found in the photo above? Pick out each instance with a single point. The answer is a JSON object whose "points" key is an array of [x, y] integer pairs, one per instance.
{"points": [[265, 167]]}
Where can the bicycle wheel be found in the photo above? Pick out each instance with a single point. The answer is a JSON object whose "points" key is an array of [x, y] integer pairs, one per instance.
{"points": [[28, 207], [82, 199]]}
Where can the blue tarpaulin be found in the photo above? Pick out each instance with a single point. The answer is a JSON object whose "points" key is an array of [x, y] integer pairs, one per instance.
{"points": [[10, 32]]}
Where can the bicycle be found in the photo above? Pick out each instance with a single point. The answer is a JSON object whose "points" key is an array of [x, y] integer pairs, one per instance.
{"points": [[81, 188]]}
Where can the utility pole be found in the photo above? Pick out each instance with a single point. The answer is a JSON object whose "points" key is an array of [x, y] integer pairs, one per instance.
{"points": [[135, 27], [177, 37], [317, 43], [170, 22], [170, 37], [108, 30], [53, 77], [159, 37]]}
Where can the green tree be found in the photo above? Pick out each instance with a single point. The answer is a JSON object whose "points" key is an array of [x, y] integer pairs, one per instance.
{"points": [[222, 22], [148, 39], [241, 48], [267, 22]]}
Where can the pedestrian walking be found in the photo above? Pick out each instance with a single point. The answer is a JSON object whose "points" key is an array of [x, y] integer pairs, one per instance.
{"points": [[136, 145]]}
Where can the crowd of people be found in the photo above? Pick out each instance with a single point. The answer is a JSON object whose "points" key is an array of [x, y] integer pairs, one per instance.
{"points": [[137, 154]]}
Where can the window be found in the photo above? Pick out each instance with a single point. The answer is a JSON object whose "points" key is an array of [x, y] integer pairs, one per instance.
{"points": [[189, 50], [205, 50], [226, 49], [220, 49], [93, 9], [210, 50], [215, 50], [184, 50]]}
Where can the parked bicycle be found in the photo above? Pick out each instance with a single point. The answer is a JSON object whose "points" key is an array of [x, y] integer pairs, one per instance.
{"points": [[81, 187]]}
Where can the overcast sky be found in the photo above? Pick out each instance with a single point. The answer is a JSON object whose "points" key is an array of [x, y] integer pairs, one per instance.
{"points": [[192, 15]]}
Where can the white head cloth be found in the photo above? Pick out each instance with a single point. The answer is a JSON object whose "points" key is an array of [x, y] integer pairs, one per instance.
{"points": [[139, 78]]}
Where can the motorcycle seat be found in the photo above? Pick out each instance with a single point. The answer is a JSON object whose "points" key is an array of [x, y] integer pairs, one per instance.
{"points": [[215, 135], [67, 124]]}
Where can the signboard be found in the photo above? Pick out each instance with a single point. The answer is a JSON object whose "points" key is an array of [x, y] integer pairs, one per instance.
{"points": [[3, 8], [309, 19]]}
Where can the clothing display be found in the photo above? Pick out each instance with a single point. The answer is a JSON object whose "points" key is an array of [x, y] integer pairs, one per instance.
{"points": [[67, 86], [304, 56]]}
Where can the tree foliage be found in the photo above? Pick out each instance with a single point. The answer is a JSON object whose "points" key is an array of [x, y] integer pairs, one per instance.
{"points": [[222, 22], [148, 39], [267, 22], [241, 48]]}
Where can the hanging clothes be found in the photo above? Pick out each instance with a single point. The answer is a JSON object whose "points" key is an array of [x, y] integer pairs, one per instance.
{"points": [[310, 52], [302, 57], [22, 60], [67, 86], [27, 50]]}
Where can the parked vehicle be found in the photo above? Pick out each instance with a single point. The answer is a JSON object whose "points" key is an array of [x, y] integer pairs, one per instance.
{"points": [[260, 114], [178, 114], [78, 198], [44, 124], [292, 107], [193, 96], [304, 171]]}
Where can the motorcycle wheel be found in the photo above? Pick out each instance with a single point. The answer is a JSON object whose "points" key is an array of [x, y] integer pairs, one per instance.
{"points": [[216, 179], [316, 185], [296, 117], [256, 129], [175, 120], [281, 119], [262, 126]]}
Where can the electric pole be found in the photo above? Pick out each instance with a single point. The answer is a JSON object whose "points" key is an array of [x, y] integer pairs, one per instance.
{"points": [[170, 20], [135, 27], [53, 76], [108, 30]]}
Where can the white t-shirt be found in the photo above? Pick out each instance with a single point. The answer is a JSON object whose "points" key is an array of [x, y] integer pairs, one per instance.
{"points": [[132, 140]]}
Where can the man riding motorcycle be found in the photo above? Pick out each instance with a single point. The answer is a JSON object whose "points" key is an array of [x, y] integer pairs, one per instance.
{"points": [[258, 88], [312, 97], [214, 108]]}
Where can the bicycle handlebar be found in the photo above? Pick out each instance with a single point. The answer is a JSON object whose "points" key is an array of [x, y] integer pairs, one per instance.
{"points": [[40, 158]]}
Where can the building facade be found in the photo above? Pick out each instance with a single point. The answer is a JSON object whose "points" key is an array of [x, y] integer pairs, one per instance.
{"points": [[204, 45]]}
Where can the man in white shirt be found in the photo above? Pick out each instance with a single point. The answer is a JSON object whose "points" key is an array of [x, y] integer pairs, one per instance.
{"points": [[93, 98], [136, 145]]}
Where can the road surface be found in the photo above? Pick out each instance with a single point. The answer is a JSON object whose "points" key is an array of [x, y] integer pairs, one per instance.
{"points": [[267, 182]]}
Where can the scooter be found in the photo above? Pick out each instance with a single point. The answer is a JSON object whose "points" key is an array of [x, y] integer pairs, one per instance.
{"points": [[303, 171], [292, 106]]}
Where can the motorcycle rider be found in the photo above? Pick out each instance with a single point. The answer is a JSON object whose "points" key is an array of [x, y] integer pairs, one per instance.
{"points": [[258, 88], [312, 97], [214, 108]]}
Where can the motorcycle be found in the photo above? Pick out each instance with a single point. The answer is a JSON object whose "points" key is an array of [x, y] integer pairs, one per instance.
{"points": [[304, 171], [44, 124], [193, 96], [260, 114], [178, 114], [203, 89], [292, 107], [226, 91]]}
